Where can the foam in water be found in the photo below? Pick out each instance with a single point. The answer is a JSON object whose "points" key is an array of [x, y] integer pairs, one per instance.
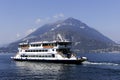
{"points": [[101, 63]]}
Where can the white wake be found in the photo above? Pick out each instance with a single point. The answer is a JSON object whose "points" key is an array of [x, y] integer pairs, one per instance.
{"points": [[100, 63]]}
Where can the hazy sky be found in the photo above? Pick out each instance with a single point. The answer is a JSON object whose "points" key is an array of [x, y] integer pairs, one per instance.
{"points": [[18, 18]]}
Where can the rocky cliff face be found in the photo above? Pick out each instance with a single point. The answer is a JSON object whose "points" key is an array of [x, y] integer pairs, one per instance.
{"points": [[83, 37]]}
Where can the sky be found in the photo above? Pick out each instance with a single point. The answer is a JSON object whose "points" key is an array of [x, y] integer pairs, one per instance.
{"points": [[18, 18]]}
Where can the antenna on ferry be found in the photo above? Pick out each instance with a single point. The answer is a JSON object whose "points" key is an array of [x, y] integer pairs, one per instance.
{"points": [[59, 37]]}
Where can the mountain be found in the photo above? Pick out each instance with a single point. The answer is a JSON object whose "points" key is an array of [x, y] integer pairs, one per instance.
{"points": [[84, 38]]}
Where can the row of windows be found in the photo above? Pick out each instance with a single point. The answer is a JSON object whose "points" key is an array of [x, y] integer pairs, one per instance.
{"points": [[38, 55], [35, 45], [36, 50], [44, 44], [50, 44], [23, 45]]}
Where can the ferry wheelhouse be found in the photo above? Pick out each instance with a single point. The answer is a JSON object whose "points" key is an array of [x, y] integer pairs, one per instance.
{"points": [[47, 51]]}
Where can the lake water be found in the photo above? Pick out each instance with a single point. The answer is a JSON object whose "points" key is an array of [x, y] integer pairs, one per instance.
{"points": [[98, 67]]}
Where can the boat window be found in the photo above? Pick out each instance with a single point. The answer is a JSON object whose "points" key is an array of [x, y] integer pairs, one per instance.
{"points": [[45, 44], [26, 51], [55, 44], [53, 55], [36, 56], [24, 55], [49, 55]]}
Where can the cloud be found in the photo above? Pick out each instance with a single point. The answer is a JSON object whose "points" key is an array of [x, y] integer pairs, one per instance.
{"points": [[60, 15], [38, 21], [47, 18], [41, 21], [18, 35], [30, 31], [55, 16]]}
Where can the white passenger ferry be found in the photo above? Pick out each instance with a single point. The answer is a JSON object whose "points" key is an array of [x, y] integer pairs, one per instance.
{"points": [[47, 51]]}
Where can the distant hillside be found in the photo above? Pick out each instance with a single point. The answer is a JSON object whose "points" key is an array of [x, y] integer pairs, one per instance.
{"points": [[84, 38]]}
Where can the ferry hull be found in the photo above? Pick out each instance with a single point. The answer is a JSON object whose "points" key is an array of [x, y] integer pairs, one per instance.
{"points": [[54, 61]]}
